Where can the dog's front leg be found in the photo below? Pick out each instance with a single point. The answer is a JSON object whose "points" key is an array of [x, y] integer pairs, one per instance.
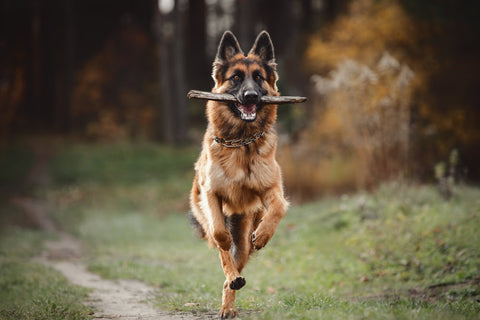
{"points": [[228, 302], [223, 240], [218, 230], [233, 282], [276, 210]]}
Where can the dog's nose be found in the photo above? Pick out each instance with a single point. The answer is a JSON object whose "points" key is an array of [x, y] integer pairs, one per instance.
{"points": [[250, 96]]}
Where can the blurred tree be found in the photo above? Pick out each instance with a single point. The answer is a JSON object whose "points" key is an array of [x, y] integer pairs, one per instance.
{"points": [[12, 88], [359, 134], [80, 66], [448, 110], [115, 90], [64, 73], [35, 81], [169, 28], [246, 23], [197, 64]]}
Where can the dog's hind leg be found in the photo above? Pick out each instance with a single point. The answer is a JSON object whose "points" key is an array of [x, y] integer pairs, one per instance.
{"points": [[241, 227]]}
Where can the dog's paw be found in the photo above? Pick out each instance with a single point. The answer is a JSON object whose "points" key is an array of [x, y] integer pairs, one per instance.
{"points": [[261, 236], [237, 283], [228, 313]]}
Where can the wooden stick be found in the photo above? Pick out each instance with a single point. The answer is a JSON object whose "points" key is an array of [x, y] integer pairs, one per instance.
{"points": [[225, 97]]}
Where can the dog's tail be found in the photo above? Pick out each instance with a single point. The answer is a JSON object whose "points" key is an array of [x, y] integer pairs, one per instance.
{"points": [[197, 227]]}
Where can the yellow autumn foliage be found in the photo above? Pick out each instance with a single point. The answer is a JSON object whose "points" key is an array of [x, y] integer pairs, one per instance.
{"points": [[360, 131], [363, 34]]}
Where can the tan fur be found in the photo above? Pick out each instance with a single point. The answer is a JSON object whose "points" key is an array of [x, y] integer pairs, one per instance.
{"points": [[243, 183]]}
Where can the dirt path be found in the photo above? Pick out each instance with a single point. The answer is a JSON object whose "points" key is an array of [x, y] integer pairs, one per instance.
{"points": [[110, 299]]}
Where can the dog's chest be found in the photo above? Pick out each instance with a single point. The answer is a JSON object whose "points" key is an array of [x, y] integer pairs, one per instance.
{"points": [[237, 171]]}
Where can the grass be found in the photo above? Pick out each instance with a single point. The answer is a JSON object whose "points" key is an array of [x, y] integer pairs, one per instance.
{"points": [[29, 290], [14, 163], [400, 253]]}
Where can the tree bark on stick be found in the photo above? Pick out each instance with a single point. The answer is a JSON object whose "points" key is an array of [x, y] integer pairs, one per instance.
{"points": [[225, 97]]}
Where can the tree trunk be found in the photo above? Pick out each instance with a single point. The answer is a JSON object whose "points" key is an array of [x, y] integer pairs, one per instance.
{"points": [[164, 116], [181, 114], [173, 114], [64, 71], [196, 61], [35, 74], [246, 22]]}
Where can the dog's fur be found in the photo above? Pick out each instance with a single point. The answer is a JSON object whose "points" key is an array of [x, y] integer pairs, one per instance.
{"points": [[237, 199]]}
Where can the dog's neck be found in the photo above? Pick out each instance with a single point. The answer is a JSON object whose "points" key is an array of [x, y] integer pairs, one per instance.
{"points": [[236, 143], [225, 126]]}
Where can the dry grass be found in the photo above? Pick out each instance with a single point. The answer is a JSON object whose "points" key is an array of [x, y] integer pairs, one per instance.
{"points": [[361, 134]]}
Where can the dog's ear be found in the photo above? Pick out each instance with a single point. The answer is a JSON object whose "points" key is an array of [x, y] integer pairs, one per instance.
{"points": [[227, 48], [263, 47]]}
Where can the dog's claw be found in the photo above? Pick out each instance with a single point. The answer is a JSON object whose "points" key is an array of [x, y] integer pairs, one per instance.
{"points": [[254, 234], [254, 238], [228, 313], [261, 235]]}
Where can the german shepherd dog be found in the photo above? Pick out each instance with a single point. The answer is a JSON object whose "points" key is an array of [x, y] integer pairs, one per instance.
{"points": [[237, 198]]}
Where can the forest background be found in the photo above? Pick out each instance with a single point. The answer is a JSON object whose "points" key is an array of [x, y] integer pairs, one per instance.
{"points": [[392, 84]]}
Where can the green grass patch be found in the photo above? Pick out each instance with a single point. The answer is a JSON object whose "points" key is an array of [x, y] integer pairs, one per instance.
{"points": [[118, 179], [120, 164], [31, 291], [355, 257], [15, 160], [372, 256], [402, 252]]}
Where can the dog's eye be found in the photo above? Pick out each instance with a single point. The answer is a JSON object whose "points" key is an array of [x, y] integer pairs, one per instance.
{"points": [[258, 77], [236, 77]]}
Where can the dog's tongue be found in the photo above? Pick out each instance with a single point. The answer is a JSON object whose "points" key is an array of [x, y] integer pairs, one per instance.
{"points": [[248, 108], [248, 111]]}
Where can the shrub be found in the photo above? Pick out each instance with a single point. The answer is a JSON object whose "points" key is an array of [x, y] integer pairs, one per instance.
{"points": [[361, 135]]}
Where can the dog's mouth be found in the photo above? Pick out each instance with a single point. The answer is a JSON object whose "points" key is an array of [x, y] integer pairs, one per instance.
{"points": [[248, 112]]}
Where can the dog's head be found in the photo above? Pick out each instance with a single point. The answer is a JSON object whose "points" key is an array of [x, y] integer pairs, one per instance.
{"points": [[248, 78]]}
